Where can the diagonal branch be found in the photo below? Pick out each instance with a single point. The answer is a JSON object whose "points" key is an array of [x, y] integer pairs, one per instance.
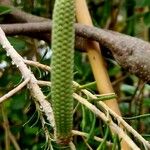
{"points": [[132, 53], [15, 90], [26, 73]]}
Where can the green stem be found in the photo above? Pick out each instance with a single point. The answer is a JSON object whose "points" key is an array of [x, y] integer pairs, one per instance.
{"points": [[88, 85], [104, 97], [103, 144], [137, 117]]}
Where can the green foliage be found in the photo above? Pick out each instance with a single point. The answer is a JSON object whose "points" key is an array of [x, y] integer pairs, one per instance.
{"points": [[143, 3], [146, 19], [23, 116], [4, 10]]}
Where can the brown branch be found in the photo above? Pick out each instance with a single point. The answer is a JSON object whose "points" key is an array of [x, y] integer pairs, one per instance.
{"points": [[83, 134], [17, 15], [5, 2], [6, 128], [131, 53]]}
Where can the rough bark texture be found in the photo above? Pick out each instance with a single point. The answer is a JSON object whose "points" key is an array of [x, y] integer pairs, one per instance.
{"points": [[131, 53]]}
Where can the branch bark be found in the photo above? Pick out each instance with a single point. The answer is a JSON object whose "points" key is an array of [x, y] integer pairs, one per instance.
{"points": [[131, 53]]}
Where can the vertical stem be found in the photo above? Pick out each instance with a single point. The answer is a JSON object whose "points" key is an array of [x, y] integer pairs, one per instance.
{"points": [[97, 63], [95, 57], [6, 128]]}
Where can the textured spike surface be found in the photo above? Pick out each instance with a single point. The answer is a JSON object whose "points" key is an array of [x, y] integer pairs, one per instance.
{"points": [[62, 68]]}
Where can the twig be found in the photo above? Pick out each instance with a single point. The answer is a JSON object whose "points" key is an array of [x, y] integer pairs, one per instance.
{"points": [[79, 133], [13, 140], [87, 144], [72, 146], [8, 135], [26, 73], [6, 129], [15, 90], [137, 117], [37, 64], [43, 83], [114, 83]]}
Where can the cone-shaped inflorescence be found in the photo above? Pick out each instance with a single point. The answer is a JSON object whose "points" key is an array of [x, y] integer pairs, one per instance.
{"points": [[62, 68]]}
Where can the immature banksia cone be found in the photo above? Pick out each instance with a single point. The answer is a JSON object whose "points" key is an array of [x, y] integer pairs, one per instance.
{"points": [[62, 68]]}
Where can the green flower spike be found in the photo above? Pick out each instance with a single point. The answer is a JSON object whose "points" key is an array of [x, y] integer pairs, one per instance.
{"points": [[62, 69]]}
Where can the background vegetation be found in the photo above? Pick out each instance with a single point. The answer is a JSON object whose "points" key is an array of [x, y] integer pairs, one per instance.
{"points": [[19, 117]]}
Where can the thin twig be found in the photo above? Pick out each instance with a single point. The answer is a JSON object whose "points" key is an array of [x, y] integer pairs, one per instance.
{"points": [[43, 83], [79, 133], [87, 144], [13, 140], [15, 90], [6, 129], [72, 146], [37, 64]]}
